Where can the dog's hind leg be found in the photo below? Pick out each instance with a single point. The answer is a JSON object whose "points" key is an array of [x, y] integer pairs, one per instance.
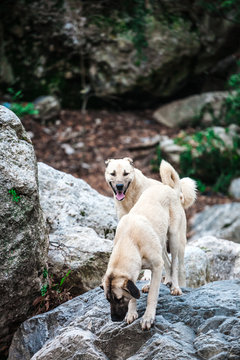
{"points": [[167, 266], [174, 244], [146, 275], [181, 266]]}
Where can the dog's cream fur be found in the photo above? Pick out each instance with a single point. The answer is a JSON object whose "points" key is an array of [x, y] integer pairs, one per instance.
{"points": [[139, 243], [185, 186]]}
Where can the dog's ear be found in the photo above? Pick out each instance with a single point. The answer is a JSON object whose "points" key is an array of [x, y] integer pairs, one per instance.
{"points": [[133, 290], [107, 162], [129, 159]]}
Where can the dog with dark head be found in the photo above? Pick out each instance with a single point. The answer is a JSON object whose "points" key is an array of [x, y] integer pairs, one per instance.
{"points": [[119, 291]]}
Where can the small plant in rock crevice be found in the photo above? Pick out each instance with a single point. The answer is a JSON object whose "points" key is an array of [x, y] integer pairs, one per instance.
{"points": [[52, 294], [15, 197]]}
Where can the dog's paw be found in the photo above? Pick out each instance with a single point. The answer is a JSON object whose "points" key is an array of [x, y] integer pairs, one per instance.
{"points": [[176, 291], [147, 321], [130, 317], [145, 288], [146, 276]]}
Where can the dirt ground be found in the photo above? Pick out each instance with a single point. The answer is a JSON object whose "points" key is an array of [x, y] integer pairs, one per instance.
{"points": [[79, 144]]}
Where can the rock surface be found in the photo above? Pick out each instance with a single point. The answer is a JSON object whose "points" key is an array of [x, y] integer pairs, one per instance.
{"points": [[170, 151], [196, 265], [234, 189], [201, 324], [48, 108], [82, 224], [23, 236], [211, 259], [223, 258], [222, 221], [186, 111]]}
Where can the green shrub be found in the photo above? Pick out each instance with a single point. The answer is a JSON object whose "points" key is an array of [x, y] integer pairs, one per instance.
{"points": [[156, 161], [232, 104], [229, 111], [21, 109], [226, 9], [209, 160], [18, 107]]}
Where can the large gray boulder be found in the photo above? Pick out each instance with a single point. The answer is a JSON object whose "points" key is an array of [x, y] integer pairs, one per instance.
{"points": [[185, 111], [201, 324], [234, 188], [23, 237], [196, 266], [48, 108], [82, 224], [223, 257], [209, 259], [222, 221]]}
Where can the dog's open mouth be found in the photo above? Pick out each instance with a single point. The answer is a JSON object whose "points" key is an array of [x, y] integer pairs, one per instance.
{"points": [[120, 195]]}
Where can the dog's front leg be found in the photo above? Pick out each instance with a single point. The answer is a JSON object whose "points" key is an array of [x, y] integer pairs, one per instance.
{"points": [[149, 315], [132, 311]]}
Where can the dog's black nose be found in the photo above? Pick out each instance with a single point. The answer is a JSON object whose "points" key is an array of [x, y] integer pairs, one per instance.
{"points": [[119, 187]]}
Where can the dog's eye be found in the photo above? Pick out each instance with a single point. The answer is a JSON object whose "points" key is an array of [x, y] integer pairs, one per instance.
{"points": [[113, 173], [125, 173]]}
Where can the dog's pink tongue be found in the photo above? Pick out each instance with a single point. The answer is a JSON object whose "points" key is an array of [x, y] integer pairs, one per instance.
{"points": [[120, 196]]}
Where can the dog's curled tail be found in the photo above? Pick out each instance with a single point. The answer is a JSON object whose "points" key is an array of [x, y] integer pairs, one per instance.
{"points": [[185, 188], [188, 192], [169, 176]]}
